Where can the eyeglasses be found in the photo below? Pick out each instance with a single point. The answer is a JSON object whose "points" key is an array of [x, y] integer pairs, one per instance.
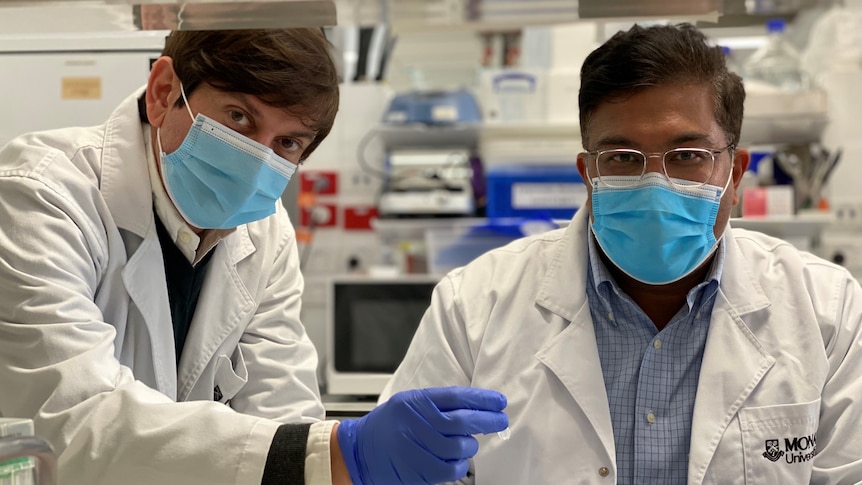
{"points": [[683, 167]]}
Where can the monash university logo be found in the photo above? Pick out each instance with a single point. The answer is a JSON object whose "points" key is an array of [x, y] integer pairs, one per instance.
{"points": [[772, 453], [798, 449]]}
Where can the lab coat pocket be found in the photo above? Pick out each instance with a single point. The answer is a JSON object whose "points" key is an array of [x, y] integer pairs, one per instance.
{"points": [[230, 375], [779, 442]]}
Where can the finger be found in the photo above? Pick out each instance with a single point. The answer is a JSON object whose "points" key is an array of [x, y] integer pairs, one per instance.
{"points": [[426, 467], [468, 422], [461, 397], [458, 470], [448, 447]]}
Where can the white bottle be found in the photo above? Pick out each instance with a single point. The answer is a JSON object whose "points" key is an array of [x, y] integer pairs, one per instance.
{"points": [[777, 62]]}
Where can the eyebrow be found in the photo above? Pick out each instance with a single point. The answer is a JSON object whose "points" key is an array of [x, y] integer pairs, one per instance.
{"points": [[615, 141], [621, 141]]}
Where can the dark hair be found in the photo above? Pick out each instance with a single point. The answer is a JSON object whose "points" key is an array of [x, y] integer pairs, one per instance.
{"points": [[286, 68], [660, 55]]}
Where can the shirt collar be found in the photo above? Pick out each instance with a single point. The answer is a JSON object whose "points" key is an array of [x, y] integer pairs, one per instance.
{"points": [[193, 246]]}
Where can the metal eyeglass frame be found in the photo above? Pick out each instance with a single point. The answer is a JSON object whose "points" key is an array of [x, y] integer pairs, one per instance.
{"points": [[714, 152]]}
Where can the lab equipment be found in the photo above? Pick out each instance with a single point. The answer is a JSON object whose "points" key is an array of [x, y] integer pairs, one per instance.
{"points": [[776, 63], [369, 325], [429, 182], [433, 108], [18, 449], [430, 140], [809, 168], [420, 436]]}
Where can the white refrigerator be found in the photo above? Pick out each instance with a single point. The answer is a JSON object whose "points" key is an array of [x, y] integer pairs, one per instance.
{"points": [[55, 81]]}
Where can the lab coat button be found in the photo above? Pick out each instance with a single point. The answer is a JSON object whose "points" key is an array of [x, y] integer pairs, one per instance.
{"points": [[603, 471]]}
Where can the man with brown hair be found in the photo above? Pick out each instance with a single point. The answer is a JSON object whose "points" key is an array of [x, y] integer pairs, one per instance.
{"points": [[150, 287], [649, 342]]}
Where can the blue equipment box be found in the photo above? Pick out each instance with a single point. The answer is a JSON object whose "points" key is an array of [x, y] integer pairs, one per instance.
{"points": [[543, 191]]}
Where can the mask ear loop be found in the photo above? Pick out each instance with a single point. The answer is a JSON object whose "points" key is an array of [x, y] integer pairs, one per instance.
{"points": [[186, 101]]}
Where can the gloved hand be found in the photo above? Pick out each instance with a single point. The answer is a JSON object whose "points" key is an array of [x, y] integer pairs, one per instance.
{"points": [[420, 436]]}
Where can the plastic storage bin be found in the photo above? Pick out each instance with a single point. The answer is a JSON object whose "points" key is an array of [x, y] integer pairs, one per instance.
{"points": [[450, 247], [543, 191]]}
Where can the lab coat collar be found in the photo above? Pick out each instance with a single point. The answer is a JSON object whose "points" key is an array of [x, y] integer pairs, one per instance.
{"points": [[125, 181], [738, 284], [563, 290]]}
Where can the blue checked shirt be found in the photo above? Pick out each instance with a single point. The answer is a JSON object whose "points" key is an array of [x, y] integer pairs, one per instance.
{"points": [[651, 376]]}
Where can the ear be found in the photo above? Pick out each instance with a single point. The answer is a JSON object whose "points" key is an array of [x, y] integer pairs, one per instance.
{"points": [[582, 168], [162, 82], [741, 158], [585, 176]]}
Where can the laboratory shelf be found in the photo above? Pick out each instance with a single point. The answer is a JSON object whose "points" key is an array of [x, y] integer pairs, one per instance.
{"points": [[414, 229], [807, 224]]}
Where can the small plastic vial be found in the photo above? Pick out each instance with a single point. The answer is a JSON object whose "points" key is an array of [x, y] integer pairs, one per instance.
{"points": [[505, 434]]}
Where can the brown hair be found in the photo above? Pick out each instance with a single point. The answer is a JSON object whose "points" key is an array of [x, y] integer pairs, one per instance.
{"points": [[286, 68], [660, 55]]}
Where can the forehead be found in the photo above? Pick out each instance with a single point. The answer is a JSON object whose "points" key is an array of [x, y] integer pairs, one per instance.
{"points": [[656, 116]]}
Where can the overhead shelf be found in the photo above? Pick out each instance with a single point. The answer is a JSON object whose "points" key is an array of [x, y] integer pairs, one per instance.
{"points": [[43, 16]]}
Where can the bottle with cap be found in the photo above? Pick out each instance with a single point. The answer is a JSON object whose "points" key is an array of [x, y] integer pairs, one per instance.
{"points": [[776, 63]]}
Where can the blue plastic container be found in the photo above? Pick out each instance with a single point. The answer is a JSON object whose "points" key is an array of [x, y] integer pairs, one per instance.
{"points": [[540, 191]]}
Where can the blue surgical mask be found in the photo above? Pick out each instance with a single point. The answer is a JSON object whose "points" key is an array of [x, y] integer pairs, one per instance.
{"points": [[220, 179], [655, 231]]}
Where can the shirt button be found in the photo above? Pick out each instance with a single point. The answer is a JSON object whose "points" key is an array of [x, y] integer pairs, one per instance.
{"points": [[656, 344], [603, 471], [184, 237], [650, 418], [611, 316]]}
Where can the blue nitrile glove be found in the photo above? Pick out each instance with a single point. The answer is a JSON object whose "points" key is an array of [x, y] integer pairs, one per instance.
{"points": [[420, 436]]}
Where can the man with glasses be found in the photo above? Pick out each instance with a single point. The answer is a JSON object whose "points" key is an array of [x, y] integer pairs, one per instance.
{"points": [[649, 342]]}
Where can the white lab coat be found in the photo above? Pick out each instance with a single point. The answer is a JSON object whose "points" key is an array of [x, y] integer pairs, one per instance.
{"points": [[86, 340], [783, 360]]}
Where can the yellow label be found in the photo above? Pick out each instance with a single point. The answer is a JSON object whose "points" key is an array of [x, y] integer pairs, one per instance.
{"points": [[82, 88]]}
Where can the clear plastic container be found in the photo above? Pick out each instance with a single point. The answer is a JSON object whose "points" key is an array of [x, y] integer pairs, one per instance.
{"points": [[18, 471], [776, 63]]}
